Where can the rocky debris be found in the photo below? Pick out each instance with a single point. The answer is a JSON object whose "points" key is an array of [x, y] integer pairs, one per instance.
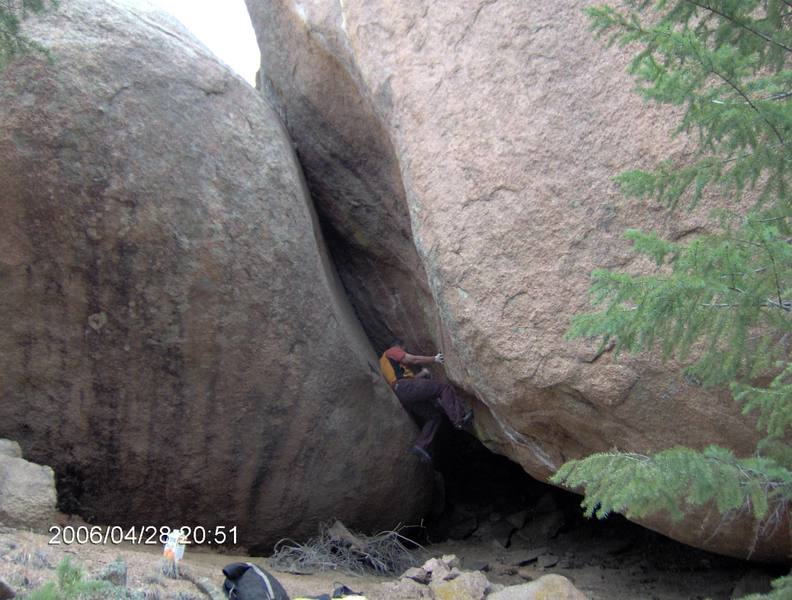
{"points": [[418, 574], [525, 564], [502, 569], [461, 522], [27, 494], [525, 573], [496, 529], [541, 528], [502, 533], [10, 448], [556, 587], [531, 556], [517, 520], [451, 561], [478, 565], [440, 569], [478, 142], [463, 529], [444, 580], [546, 561], [464, 586], [405, 589], [171, 326], [6, 592]]}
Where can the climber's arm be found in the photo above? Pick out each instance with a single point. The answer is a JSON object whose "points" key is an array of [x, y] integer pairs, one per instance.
{"points": [[417, 359]]}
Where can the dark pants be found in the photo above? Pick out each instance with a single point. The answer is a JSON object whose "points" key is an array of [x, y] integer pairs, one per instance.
{"points": [[427, 400]]}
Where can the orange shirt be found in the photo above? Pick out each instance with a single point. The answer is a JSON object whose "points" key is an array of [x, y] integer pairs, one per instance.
{"points": [[392, 367]]}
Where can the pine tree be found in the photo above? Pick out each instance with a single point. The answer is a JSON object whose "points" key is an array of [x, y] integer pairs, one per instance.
{"points": [[721, 304], [12, 42]]}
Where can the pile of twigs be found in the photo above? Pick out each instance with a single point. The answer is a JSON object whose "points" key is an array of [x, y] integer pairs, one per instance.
{"points": [[338, 549]]}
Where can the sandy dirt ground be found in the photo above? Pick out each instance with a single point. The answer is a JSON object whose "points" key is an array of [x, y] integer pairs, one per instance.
{"points": [[600, 561]]}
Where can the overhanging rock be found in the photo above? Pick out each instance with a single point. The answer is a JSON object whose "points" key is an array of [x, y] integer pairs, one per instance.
{"points": [[504, 122]]}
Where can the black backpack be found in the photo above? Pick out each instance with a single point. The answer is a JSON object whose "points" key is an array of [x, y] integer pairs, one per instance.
{"points": [[246, 581]]}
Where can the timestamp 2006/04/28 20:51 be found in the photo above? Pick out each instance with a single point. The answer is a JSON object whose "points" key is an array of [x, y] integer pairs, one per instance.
{"points": [[140, 535]]}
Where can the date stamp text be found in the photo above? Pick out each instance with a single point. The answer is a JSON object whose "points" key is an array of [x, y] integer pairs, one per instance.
{"points": [[67, 535]]}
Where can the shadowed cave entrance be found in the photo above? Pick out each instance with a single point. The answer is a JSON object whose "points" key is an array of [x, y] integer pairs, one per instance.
{"points": [[501, 520]]}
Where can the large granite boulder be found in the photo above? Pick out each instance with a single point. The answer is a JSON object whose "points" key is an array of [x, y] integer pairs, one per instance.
{"points": [[173, 338], [27, 491], [496, 127]]}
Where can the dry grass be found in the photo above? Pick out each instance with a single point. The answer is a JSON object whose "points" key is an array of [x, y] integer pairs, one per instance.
{"points": [[338, 549], [169, 568]]}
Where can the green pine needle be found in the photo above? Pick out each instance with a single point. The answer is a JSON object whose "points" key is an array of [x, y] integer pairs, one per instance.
{"points": [[720, 303]]}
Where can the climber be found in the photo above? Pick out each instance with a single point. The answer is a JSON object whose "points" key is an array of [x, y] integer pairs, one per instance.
{"points": [[421, 397]]}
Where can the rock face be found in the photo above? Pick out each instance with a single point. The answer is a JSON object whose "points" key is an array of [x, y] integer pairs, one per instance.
{"points": [[172, 336], [353, 173], [27, 492], [496, 126]]}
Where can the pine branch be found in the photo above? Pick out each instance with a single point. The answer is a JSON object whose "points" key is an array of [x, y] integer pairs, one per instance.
{"points": [[771, 219], [779, 96], [740, 24], [638, 485], [750, 103], [776, 276], [717, 304]]}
